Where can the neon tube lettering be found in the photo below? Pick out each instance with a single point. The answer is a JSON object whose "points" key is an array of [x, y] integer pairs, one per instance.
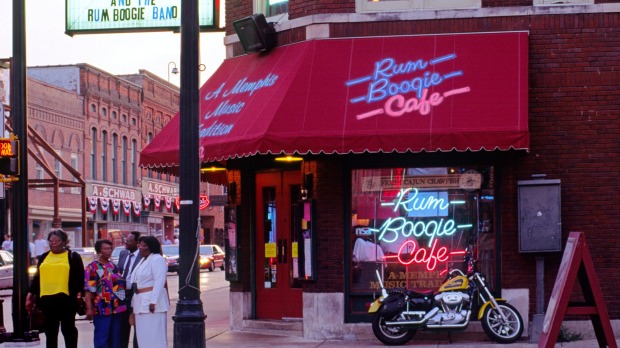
{"points": [[392, 228], [415, 203], [421, 255]]}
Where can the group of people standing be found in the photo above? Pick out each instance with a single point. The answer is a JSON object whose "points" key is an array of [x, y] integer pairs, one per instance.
{"points": [[117, 296]]}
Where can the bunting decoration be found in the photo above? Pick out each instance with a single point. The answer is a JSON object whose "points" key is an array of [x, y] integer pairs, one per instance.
{"points": [[116, 206], [92, 204], [147, 200], [169, 203], [127, 207], [157, 201], [136, 208], [105, 203]]}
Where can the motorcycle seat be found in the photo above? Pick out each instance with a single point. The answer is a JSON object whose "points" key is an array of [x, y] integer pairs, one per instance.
{"points": [[422, 292]]}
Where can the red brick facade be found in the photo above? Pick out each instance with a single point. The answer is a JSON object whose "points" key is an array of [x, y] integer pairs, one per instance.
{"points": [[573, 121]]}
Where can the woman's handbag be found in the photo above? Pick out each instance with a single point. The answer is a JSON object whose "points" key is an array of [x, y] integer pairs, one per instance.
{"points": [[81, 306], [37, 319]]}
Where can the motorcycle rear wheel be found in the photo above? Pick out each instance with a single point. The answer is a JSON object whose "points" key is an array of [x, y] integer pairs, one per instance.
{"points": [[499, 330], [391, 335]]}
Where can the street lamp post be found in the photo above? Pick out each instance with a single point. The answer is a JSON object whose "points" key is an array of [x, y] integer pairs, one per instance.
{"points": [[174, 69], [189, 318]]}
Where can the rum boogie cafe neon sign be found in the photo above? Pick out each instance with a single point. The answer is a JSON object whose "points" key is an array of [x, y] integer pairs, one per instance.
{"points": [[411, 251]]}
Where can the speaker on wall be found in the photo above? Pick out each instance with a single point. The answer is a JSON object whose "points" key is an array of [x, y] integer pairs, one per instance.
{"points": [[255, 34]]}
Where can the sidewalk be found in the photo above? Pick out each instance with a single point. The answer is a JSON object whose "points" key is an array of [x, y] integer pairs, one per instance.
{"points": [[218, 335], [257, 340]]}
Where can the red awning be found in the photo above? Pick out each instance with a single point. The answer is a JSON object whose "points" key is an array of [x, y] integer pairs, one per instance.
{"points": [[384, 94]]}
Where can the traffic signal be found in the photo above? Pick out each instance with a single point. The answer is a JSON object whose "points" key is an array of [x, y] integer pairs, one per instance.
{"points": [[9, 166]]}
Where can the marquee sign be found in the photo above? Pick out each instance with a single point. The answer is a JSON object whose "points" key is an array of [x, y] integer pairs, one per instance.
{"points": [[133, 15]]}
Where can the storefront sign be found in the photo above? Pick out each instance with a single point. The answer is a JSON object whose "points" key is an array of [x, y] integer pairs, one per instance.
{"points": [[131, 15], [448, 181], [158, 188], [106, 191]]}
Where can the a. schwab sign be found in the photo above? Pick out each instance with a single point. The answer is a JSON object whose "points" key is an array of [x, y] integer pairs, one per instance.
{"points": [[133, 15]]}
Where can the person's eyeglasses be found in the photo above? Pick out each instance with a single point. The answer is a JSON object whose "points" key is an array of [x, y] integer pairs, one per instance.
{"points": [[55, 241]]}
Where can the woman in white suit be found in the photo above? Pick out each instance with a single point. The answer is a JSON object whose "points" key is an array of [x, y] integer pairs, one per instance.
{"points": [[150, 300]]}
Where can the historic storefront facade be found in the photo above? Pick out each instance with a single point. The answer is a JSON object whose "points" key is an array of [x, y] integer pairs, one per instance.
{"points": [[415, 130]]}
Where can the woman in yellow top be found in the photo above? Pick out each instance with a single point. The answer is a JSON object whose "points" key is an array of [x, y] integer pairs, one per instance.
{"points": [[55, 288]]}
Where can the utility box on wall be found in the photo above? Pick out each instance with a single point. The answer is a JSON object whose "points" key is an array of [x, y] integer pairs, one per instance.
{"points": [[540, 216]]}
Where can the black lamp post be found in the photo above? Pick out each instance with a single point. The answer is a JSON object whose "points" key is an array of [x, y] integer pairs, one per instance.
{"points": [[19, 206], [189, 326]]}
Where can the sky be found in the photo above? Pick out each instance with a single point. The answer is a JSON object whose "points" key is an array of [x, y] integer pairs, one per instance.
{"points": [[123, 53]]}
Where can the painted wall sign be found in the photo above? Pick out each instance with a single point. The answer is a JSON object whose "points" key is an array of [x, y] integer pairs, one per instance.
{"points": [[106, 191], [132, 15], [159, 188]]}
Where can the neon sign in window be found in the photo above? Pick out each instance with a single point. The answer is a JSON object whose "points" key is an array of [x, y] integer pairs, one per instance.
{"points": [[429, 205]]}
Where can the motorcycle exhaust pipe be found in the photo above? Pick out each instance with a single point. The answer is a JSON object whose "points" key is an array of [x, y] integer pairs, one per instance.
{"points": [[453, 326], [413, 322]]}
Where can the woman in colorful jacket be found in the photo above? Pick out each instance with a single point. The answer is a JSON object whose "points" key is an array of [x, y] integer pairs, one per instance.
{"points": [[105, 294]]}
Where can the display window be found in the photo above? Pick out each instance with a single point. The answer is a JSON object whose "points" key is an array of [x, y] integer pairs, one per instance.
{"points": [[411, 225]]}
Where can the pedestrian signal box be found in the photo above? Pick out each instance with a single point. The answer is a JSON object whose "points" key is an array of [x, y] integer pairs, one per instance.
{"points": [[8, 147], [9, 156]]}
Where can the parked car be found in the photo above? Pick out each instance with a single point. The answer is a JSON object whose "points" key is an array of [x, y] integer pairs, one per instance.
{"points": [[211, 256], [88, 254], [116, 254], [6, 270], [171, 254]]}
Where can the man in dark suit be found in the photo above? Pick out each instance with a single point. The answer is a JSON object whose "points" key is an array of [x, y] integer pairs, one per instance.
{"points": [[127, 262]]}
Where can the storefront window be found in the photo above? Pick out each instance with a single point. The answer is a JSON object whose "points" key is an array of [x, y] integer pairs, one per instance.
{"points": [[413, 224]]}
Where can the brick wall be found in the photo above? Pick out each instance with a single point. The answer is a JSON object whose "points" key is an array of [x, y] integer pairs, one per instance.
{"points": [[574, 121]]}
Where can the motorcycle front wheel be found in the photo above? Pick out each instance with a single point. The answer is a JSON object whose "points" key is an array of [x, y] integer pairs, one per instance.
{"points": [[391, 335], [499, 330]]}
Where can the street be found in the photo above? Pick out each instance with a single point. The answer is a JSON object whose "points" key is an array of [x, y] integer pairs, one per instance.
{"points": [[214, 291]]}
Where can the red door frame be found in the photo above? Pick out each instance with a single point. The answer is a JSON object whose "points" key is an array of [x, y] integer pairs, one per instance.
{"points": [[281, 300]]}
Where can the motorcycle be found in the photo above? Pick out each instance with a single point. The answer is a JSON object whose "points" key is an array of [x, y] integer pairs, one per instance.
{"points": [[399, 313]]}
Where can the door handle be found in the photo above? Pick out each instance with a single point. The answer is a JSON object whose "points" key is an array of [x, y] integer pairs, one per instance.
{"points": [[281, 250]]}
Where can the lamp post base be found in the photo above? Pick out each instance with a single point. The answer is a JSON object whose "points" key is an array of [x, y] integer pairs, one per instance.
{"points": [[189, 324]]}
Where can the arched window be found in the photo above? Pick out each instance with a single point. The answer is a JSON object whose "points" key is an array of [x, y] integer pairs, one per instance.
{"points": [[114, 155], [124, 161], [104, 155], [150, 138], [134, 162], [93, 154]]}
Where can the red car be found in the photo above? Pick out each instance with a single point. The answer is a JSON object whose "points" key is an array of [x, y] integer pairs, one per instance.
{"points": [[211, 257]]}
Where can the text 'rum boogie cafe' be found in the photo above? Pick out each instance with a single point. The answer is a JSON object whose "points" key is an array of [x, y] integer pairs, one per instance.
{"points": [[401, 142]]}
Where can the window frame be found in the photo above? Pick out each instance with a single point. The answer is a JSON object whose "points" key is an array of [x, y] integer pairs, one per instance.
{"points": [[362, 6]]}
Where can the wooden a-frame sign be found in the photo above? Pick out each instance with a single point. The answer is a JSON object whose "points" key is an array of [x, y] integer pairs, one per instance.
{"points": [[576, 264]]}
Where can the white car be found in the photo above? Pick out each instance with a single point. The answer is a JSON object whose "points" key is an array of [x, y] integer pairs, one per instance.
{"points": [[6, 270]]}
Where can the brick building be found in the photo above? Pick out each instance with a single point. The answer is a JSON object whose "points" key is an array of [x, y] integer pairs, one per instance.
{"points": [[487, 98], [97, 123]]}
